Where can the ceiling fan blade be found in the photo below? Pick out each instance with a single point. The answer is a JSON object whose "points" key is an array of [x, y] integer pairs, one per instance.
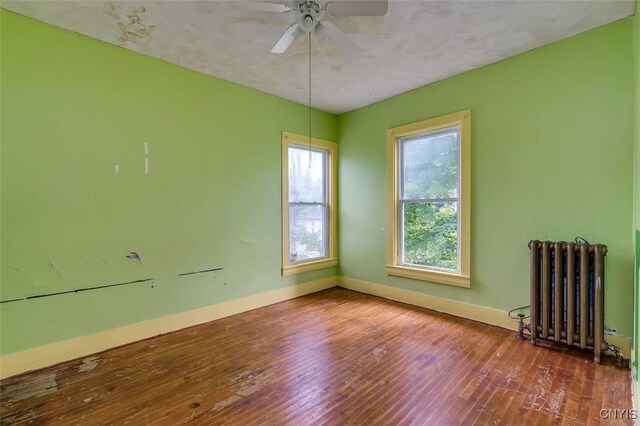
{"points": [[358, 7], [264, 6], [287, 38], [327, 30]]}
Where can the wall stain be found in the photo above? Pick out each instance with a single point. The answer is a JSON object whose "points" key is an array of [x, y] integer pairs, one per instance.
{"points": [[132, 28], [135, 30], [110, 9]]}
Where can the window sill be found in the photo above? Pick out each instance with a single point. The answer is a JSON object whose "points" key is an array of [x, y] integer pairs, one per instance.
{"points": [[309, 266], [431, 276]]}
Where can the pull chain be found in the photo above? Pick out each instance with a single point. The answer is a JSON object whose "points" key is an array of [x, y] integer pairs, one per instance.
{"points": [[309, 100]]}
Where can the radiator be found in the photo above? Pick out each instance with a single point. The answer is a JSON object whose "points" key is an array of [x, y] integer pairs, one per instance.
{"points": [[567, 294]]}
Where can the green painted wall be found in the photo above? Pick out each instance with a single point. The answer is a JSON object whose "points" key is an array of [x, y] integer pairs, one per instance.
{"points": [[636, 198], [552, 158], [72, 108]]}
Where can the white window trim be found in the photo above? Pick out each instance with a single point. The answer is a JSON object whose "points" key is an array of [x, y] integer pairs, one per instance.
{"points": [[289, 268], [396, 268]]}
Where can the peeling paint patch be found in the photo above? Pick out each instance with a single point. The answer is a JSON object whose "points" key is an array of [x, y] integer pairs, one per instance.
{"points": [[134, 256], [30, 387], [89, 364]]}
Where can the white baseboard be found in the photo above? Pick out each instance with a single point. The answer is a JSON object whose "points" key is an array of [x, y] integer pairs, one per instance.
{"points": [[54, 353], [440, 304], [460, 309]]}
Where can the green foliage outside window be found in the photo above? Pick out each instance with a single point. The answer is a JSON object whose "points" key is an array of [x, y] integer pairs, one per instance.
{"points": [[430, 235], [430, 171]]}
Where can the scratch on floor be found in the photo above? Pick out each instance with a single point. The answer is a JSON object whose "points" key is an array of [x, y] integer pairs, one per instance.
{"points": [[251, 381], [536, 400], [220, 405], [380, 351], [246, 375], [511, 380], [24, 416], [30, 387], [374, 328], [555, 402], [88, 364]]}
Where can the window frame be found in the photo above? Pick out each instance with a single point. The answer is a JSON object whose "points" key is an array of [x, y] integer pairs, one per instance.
{"points": [[331, 258], [395, 267]]}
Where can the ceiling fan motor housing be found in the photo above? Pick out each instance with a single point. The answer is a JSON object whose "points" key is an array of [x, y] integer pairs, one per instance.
{"points": [[308, 18]]}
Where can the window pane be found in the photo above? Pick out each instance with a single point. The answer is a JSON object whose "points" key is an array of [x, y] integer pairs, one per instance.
{"points": [[306, 232], [430, 166], [306, 183], [430, 236]]}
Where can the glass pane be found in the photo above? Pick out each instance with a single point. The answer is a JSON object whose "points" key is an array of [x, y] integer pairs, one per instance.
{"points": [[430, 166], [430, 236], [307, 226], [306, 183]]}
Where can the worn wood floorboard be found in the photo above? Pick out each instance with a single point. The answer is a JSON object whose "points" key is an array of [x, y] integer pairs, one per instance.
{"points": [[330, 358]]}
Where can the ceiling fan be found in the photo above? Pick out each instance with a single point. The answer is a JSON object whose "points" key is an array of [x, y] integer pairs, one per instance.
{"points": [[309, 16]]}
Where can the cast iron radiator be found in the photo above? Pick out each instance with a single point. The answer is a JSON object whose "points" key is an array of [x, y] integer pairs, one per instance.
{"points": [[567, 294]]}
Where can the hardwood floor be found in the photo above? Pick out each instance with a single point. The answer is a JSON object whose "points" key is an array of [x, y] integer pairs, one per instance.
{"points": [[334, 357]]}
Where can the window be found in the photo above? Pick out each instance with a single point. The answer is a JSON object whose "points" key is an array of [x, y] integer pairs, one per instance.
{"points": [[308, 204], [428, 213]]}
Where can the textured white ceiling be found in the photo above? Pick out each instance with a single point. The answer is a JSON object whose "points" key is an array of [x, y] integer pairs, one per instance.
{"points": [[416, 43]]}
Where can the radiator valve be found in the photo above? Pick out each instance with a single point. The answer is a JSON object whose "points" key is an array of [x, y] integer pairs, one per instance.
{"points": [[617, 352], [522, 326]]}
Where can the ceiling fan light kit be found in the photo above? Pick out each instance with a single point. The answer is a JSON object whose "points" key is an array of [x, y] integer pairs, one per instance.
{"points": [[308, 16]]}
